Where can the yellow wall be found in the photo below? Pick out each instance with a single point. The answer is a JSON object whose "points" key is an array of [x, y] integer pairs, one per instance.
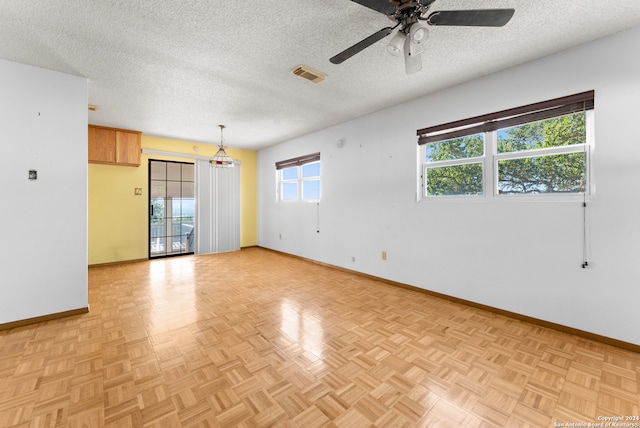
{"points": [[118, 219]]}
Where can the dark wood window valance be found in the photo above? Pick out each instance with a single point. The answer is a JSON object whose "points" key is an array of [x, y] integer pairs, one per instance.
{"points": [[300, 160], [507, 118]]}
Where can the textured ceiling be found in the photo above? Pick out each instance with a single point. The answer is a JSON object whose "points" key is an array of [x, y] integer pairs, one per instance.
{"points": [[178, 68]]}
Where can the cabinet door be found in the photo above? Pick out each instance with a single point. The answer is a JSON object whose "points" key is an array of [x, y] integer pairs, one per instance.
{"points": [[102, 145], [128, 148]]}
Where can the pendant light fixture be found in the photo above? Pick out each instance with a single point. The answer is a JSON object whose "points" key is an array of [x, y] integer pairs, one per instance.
{"points": [[221, 159]]}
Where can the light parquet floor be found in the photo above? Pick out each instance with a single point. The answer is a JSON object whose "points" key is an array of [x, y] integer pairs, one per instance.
{"points": [[256, 339]]}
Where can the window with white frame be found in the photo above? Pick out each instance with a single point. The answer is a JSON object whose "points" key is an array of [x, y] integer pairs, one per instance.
{"points": [[299, 178], [455, 166], [537, 149]]}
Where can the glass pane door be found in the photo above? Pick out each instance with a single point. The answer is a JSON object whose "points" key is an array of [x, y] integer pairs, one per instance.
{"points": [[171, 208]]}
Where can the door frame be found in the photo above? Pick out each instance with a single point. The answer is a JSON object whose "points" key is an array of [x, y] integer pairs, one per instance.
{"points": [[168, 226]]}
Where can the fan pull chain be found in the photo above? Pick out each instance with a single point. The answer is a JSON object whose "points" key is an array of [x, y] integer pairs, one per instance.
{"points": [[585, 255], [585, 244]]}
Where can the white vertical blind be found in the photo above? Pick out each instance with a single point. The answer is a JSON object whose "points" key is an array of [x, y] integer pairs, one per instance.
{"points": [[217, 208]]}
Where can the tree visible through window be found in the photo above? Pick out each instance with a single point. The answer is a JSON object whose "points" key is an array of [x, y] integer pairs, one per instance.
{"points": [[541, 148], [550, 173], [452, 173]]}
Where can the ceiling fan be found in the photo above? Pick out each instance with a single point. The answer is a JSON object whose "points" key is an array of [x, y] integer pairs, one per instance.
{"points": [[410, 16]]}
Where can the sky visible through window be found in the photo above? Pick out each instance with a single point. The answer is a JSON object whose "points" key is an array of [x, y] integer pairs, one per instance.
{"points": [[306, 176]]}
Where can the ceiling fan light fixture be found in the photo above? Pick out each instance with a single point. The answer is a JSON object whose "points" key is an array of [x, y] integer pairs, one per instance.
{"points": [[395, 45], [221, 159], [418, 33], [412, 57]]}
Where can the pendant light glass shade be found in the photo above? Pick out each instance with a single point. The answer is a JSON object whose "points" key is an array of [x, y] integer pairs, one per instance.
{"points": [[221, 159]]}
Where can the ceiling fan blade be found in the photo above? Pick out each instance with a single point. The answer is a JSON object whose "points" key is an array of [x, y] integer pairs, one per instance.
{"points": [[361, 45], [471, 18], [382, 6]]}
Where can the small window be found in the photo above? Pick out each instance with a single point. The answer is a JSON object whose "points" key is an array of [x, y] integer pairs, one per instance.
{"points": [[455, 167], [299, 178]]}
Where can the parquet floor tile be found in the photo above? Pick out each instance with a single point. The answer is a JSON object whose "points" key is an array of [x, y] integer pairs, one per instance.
{"points": [[259, 339]]}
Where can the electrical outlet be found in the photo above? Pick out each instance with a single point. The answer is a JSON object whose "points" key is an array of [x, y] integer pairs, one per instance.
{"points": [[353, 259], [384, 255], [137, 191]]}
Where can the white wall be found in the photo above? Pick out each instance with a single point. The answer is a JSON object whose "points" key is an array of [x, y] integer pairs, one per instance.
{"points": [[43, 223], [523, 257]]}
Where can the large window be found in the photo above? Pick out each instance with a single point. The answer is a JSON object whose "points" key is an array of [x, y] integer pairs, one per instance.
{"points": [[299, 178], [541, 148]]}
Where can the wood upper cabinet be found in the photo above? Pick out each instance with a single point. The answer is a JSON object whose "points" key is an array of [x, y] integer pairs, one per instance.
{"points": [[114, 146], [128, 148], [102, 145]]}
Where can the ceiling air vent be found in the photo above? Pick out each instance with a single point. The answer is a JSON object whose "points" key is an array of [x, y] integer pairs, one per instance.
{"points": [[308, 74]]}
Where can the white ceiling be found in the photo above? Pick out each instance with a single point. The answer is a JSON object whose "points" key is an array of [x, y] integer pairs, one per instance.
{"points": [[178, 68]]}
